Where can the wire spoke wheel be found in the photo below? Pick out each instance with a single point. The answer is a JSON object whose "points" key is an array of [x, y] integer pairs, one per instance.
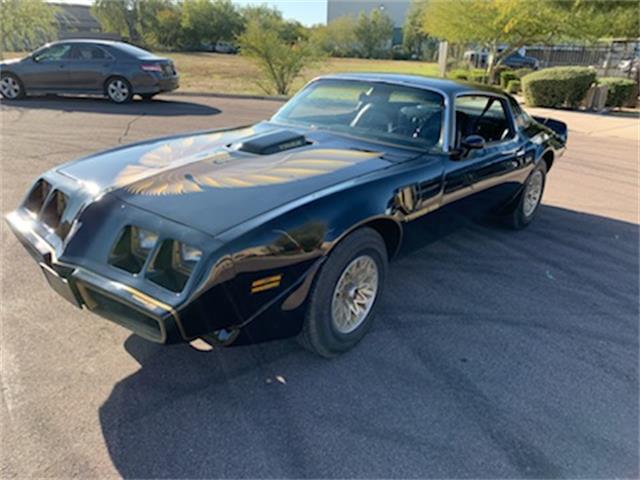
{"points": [[354, 294], [532, 193], [9, 87]]}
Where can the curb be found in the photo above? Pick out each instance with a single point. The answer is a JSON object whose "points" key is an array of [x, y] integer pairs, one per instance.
{"points": [[245, 96]]}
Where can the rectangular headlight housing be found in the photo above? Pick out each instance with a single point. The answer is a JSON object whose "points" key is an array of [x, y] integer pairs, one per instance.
{"points": [[132, 248], [173, 265]]}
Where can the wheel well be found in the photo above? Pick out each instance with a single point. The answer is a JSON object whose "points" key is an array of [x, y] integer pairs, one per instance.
{"points": [[390, 231], [548, 159]]}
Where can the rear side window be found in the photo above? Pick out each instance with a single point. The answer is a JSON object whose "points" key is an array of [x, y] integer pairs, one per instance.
{"points": [[88, 52], [56, 52], [482, 115]]}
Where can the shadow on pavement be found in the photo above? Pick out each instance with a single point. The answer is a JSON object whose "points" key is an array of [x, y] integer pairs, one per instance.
{"points": [[494, 354], [157, 107]]}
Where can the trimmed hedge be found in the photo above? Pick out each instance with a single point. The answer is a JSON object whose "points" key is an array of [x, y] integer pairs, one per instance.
{"points": [[497, 71], [621, 91], [558, 86], [477, 75], [506, 77], [513, 86], [521, 72], [459, 74]]}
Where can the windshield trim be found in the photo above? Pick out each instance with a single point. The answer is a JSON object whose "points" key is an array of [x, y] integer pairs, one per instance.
{"points": [[443, 145]]}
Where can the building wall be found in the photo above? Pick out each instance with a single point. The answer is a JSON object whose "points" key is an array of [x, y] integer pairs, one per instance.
{"points": [[396, 9]]}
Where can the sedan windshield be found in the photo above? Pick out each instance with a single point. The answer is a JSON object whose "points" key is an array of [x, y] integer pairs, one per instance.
{"points": [[374, 110]]}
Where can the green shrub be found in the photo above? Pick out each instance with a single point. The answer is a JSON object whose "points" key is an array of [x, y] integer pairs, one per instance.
{"points": [[557, 87], [513, 86], [621, 91], [458, 74], [478, 75], [506, 77], [497, 71], [521, 72]]}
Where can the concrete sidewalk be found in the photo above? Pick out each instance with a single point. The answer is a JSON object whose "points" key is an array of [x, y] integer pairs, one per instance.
{"points": [[622, 124]]}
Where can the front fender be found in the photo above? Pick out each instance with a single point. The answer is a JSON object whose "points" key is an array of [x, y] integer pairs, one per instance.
{"points": [[278, 259]]}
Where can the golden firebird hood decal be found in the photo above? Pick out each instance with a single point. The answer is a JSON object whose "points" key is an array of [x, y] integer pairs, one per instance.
{"points": [[190, 166]]}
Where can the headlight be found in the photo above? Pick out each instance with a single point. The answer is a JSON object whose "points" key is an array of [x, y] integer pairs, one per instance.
{"points": [[142, 241], [189, 254], [173, 265], [132, 248]]}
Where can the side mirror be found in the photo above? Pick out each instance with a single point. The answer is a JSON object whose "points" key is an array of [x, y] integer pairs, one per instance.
{"points": [[472, 142]]}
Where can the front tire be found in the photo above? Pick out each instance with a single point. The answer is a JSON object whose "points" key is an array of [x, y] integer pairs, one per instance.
{"points": [[343, 300], [118, 90], [11, 87], [528, 202]]}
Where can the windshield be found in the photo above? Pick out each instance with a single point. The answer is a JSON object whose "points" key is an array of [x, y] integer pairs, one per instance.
{"points": [[379, 111]]}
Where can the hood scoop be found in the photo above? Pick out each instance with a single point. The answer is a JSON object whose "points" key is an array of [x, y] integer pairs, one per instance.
{"points": [[272, 142]]}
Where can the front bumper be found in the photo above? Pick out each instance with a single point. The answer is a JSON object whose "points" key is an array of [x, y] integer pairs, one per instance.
{"points": [[115, 301]]}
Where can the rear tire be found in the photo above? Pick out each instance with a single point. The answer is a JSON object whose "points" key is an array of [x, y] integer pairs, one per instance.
{"points": [[345, 294], [528, 202], [11, 87], [118, 90]]}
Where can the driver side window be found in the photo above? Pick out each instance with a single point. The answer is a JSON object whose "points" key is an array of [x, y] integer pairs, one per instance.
{"points": [[57, 52], [482, 115]]}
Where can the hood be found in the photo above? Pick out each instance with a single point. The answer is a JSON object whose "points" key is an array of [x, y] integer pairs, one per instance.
{"points": [[213, 181], [11, 61]]}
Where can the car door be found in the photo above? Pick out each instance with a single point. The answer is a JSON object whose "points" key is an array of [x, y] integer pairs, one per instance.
{"points": [[88, 66], [47, 69], [490, 175]]}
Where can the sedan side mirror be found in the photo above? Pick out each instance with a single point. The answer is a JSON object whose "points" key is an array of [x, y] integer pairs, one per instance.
{"points": [[472, 142]]}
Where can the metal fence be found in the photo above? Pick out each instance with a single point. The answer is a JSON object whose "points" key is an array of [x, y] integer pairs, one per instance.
{"points": [[609, 59]]}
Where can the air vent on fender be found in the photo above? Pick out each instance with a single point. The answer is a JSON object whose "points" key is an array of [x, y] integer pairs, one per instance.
{"points": [[273, 142]]}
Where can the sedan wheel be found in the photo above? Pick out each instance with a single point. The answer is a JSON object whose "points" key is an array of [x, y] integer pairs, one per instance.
{"points": [[119, 90], [343, 299], [10, 87]]}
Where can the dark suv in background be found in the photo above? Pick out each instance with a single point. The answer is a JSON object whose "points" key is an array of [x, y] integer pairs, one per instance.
{"points": [[97, 67]]}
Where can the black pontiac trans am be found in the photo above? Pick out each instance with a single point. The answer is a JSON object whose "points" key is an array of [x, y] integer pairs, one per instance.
{"points": [[294, 219]]}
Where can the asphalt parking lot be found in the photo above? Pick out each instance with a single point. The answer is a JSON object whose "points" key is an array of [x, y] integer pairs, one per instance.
{"points": [[495, 353]]}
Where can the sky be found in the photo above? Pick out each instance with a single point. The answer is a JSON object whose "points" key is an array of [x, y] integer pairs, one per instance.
{"points": [[307, 12]]}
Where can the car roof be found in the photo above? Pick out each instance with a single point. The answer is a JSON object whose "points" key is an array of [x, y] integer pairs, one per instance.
{"points": [[445, 86], [98, 41]]}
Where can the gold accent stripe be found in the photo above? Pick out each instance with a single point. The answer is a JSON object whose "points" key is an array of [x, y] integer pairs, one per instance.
{"points": [[262, 281], [146, 299], [267, 286]]}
